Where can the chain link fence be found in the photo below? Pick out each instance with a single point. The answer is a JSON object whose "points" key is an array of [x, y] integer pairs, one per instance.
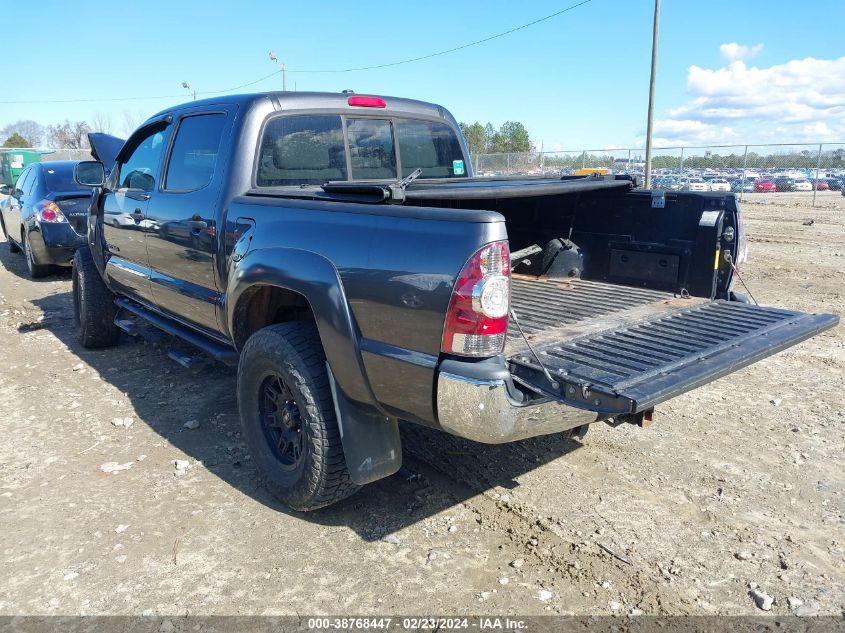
{"points": [[13, 160], [808, 171]]}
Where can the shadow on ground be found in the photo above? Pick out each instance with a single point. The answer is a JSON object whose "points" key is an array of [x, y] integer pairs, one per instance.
{"points": [[165, 395]]}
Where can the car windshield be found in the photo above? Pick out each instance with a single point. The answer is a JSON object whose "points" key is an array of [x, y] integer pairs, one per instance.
{"points": [[60, 178]]}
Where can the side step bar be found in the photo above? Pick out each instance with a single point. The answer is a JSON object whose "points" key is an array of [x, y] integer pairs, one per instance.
{"points": [[218, 351]]}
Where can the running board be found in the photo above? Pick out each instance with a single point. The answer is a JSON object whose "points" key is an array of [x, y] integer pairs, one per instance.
{"points": [[631, 369], [218, 351]]}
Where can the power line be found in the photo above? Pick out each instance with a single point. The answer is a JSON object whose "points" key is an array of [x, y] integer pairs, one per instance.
{"points": [[316, 70], [448, 50]]}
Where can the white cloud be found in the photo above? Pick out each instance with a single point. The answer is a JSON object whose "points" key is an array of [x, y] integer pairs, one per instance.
{"points": [[800, 100], [734, 52]]}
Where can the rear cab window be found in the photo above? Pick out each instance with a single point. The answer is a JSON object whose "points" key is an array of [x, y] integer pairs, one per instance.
{"points": [[371, 150], [312, 149], [302, 150]]}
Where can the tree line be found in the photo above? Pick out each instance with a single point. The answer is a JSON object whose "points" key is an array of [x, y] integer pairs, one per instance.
{"points": [[805, 159], [66, 135], [485, 139]]}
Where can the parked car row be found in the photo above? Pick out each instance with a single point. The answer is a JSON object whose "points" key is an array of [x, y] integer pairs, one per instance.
{"points": [[44, 215]]}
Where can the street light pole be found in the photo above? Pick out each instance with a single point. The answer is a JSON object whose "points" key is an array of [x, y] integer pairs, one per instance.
{"points": [[650, 127], [281, 70], [187, 87]]}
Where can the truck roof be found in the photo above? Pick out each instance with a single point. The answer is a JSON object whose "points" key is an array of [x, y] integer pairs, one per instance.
{"points": [[319, 100]]}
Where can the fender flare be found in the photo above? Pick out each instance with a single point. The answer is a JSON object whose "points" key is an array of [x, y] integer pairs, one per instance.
{"points": [[372, 446], [314, 277]]}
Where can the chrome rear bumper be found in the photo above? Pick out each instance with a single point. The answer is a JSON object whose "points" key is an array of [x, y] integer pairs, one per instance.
{"points": [[481, 410]]}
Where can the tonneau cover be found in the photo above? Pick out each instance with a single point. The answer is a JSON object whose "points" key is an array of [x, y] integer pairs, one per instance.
{"points": [[483, 188], [492, 188]]}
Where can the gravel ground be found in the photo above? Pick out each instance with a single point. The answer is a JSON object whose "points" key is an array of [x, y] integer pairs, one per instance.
{"points": [[737, 488]]}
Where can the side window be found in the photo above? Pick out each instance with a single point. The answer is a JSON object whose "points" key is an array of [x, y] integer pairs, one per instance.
{"points": [[138, 172], [371, 148], [32, 181], [194, 153], [301, 150], [23, 181]]}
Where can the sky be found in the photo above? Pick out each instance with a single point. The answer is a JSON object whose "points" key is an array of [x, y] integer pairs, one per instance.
{"points": [[729, 71]]}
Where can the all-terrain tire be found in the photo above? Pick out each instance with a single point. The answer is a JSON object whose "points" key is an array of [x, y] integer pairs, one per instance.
{"points": [[93, 303], [34, 270], [293, 354]]}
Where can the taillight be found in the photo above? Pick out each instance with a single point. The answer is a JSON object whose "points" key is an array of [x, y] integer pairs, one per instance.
{"points": [[366, 102], [47, 211], [477, 320]]}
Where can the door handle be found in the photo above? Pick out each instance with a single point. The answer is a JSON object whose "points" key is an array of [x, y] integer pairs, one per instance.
{"points": [[197, 224], [138, 195]]}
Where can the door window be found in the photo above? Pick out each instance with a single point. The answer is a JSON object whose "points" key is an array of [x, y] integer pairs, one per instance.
{"points": [[138, 172], [194, 153]]}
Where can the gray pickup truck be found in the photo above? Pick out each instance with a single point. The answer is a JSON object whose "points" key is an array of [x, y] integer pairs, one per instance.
{"points": [[338, 249]]}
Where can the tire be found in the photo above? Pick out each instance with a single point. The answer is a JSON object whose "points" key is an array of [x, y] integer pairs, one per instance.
{"points": [[288, 417], [93, 304], [13, 248], [578, 433], [35, 270]]}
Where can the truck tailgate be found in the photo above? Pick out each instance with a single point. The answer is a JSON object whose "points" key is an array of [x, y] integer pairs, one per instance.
{"points": [[652, 347]]}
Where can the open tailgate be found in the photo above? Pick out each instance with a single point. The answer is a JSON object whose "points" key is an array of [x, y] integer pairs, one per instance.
{"points": [[632, 368]]}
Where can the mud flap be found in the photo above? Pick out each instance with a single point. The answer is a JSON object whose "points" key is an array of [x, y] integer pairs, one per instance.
{"points": [[371, 443]]}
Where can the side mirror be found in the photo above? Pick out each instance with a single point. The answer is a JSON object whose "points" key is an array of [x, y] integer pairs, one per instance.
{"points": [[6, 190], [90, 173]]}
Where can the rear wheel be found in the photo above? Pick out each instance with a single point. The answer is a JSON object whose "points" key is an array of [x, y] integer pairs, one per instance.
{"points": [[34, 269], [14, 248], [288, 418], [93, 303]]}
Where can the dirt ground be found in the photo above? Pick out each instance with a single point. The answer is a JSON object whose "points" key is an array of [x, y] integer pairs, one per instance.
{"points": [[737, 485]]}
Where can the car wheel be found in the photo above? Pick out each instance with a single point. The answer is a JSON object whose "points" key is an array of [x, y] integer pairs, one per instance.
{"points": [[14, 248], [288, 416], [34, 269], [93, 303]]}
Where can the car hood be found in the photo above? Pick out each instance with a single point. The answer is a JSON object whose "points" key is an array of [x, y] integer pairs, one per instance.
{"points": [[104, 147]]}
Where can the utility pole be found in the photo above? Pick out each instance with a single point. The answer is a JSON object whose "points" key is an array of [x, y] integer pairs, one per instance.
{"points": [[281, 70], [650, 127]]}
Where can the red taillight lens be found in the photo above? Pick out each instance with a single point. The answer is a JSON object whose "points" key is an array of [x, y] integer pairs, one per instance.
{"points": [[366, 102], [477, 320], [47, 211]]}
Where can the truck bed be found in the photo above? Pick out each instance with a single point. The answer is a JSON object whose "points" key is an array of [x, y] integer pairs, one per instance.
{"points": [[619, 349], [557, 310]]}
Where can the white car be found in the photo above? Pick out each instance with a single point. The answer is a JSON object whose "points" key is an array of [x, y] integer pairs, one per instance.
{"points": [[695, 184], [802, 184], [720, 184]]}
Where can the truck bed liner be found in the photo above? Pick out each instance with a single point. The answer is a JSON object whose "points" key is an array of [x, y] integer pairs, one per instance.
{"points": [[560, 309], [638, 348]]}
